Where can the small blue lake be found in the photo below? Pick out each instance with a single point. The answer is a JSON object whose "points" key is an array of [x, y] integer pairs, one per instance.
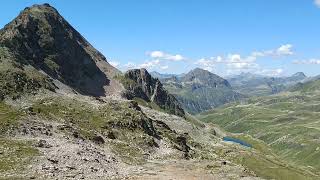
{"points": [[235, 140]]}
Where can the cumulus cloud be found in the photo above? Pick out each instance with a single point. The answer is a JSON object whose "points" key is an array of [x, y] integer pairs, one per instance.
{"points": [[237, 63], [309, 61], [164, 67], [283, 50], [317, 3], [150, 64], [146, 65], [233, 61], [114, 63], [270, 72], [130, 65], [165, 56]]}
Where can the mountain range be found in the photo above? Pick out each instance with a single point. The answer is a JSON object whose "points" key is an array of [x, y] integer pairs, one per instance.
{"points": [[66, 113], [257, 85], [200, 90]]}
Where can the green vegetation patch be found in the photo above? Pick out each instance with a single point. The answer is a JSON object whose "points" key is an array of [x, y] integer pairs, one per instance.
{"points": [[17, 79], [15, 155], [287, 122], [8, 118]]}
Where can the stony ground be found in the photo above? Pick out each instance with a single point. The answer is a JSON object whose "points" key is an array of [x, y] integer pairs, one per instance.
{"points": [[63, 152], [192, 170]]}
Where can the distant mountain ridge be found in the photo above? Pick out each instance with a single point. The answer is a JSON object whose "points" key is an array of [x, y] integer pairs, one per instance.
{"points": [[200, 90], [257, 85], [158, 75]]}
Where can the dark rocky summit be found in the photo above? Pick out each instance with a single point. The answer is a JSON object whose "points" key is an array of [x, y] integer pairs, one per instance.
{"points": [[40, 37], [141, 84]]}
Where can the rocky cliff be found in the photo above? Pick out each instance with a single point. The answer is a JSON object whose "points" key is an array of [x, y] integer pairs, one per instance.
{"points": [[142, 85]]}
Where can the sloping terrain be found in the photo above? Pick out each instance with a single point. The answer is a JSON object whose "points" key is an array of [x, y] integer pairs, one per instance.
{"points": [[68, 136], [257, 85], [200, 90], [288, 122], [58, 119], [40, 39]]}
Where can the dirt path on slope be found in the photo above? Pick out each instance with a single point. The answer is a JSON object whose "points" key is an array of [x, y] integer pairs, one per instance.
{"points": [[190, 170]]}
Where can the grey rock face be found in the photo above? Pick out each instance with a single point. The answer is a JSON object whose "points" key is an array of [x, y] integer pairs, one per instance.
{"points": [[144, 86]]}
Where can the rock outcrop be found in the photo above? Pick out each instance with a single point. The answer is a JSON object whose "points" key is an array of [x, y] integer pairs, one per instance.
{"points": [[40, 37], [140, 84]]}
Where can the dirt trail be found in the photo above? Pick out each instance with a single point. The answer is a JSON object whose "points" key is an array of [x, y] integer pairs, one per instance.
{"points": [[188, 170]]}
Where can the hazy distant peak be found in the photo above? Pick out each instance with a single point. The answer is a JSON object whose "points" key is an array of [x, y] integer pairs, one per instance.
{"points": [[299, 74]]}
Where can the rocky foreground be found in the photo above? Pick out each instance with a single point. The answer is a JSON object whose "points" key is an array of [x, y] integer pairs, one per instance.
{"points": [[69, 136]]}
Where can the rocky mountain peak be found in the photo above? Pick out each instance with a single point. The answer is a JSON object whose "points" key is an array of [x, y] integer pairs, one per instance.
{"points": [[141, 84], [42, 38], [204, 77], [299, 74]]}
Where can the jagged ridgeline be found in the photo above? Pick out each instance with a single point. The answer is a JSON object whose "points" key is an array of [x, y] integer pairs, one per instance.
{"points": [[60, 129], [40, 47], [200, 90], [142, 87], [39, 44]]}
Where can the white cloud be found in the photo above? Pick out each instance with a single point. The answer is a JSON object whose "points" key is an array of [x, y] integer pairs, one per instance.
{"points": [[157, 54], [114, 63], [317, 3], [310, 61], [153, 64], [233, 61], [176, 57], [150, 64], [165, 56], [130, 65], [270, 72], [164, 67], [237, 63], [284, 50]]}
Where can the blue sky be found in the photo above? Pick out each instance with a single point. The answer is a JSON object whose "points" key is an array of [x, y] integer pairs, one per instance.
{"points": [[271, 37]]}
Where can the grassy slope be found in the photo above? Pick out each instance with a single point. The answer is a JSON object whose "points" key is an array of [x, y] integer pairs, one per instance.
{"points": [[288, 122], [14, 154], [205, 97], [16, 78], [131, 143]]}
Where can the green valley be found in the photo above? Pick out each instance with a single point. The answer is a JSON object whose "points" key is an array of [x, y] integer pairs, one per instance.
{"points": [[288, 122]]}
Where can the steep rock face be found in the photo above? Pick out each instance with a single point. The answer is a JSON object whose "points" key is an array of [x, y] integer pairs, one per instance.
{"points": [[42, 38], [142, 85], [200, 90]]}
